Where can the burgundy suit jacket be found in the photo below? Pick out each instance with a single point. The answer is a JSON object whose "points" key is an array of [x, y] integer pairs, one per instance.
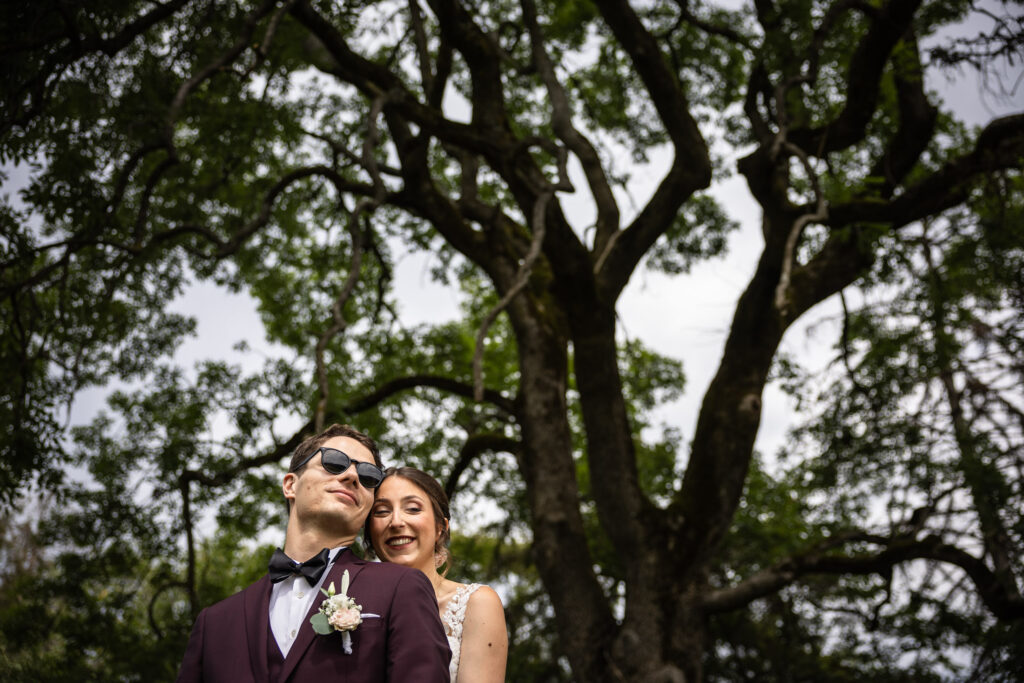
{"points": [[406, 643]]}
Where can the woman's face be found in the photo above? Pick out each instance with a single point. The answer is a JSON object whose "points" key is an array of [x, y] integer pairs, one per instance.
{"points": [[402, 525]]}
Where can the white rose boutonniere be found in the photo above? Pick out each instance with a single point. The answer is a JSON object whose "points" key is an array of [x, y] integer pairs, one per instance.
{"points": [[338, 612]]}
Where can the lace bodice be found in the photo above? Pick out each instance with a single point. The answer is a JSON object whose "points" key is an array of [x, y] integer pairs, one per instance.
{"points": [[454, 615]]}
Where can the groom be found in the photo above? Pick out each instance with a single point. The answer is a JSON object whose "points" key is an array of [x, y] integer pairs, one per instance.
{"points": [[264, 633]]}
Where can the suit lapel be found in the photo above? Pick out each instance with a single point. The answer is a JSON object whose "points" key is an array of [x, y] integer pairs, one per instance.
{"points": [[257, 625], [306, 635]]}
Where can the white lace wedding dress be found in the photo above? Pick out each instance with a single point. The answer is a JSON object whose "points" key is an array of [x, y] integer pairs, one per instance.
{"points": [[454, 615]]}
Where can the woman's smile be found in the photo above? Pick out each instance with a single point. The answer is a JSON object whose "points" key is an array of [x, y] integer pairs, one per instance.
{"points": [[402, 524]]}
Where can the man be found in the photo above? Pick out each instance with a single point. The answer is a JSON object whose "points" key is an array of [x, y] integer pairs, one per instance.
{"points": [[265, 633]]}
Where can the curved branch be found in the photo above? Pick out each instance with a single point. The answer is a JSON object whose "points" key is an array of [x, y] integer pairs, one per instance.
{"points": [[217, 65], [156, 595], [422, 51], [691, 165], [758, 85], [662, 85], [561, 123], [363, 206], [522, 276], [482, 57], [372, 79], [828, 22], [147, 194], [1000, 601], [60, 58], [916, 123], [475, 445], [227, 247], [1003, 603], [685, 15], [820, 213], [447, 384], [1000, 146], [339, 149], [275, 21], [244, 465], [888, 25]]}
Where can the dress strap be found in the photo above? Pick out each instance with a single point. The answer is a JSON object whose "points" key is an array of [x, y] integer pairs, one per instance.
{"points": [[455, 610]]}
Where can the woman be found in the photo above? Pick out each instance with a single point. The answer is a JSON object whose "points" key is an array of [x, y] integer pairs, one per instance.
{"points": [[408, 524]]}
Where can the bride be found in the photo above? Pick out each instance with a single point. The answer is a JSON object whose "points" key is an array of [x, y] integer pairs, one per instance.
{"points": [[408, 524]]}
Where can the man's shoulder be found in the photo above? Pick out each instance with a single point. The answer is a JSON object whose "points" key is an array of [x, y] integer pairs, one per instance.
{"points": [[235, 602], [389, 578], [388, 570]]}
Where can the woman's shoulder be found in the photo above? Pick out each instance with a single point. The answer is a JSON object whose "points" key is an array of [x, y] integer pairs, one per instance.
{"points": [[483, 599]]}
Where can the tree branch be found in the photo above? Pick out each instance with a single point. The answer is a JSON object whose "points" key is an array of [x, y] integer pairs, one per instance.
{"points": [[211, 69], [691, 165], [820, 213], [1003, 604], [685, 15], [916, 123], [888, 25], [245, 464], [452, 386], [474, 446], [363, 206], [561, 123], [522, 277], [60, 58], [1000, 146]]}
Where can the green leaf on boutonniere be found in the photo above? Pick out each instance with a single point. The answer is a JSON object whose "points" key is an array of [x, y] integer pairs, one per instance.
{"points": [[320, 625]]}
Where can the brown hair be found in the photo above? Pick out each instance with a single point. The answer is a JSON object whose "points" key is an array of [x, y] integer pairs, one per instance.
{"points": [[310, 444], [439, 503]]}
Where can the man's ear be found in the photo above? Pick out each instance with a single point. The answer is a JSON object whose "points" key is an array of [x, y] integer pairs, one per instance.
{"points": [[288, 486]]}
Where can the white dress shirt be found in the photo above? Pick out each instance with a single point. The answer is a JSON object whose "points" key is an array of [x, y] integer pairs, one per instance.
{"points": [[290, 600]]}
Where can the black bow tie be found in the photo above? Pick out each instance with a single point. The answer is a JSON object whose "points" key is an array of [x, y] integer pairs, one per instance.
{"points": [[282, 566]]}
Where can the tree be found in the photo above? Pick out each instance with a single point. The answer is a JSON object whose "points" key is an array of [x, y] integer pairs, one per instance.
{"points": [[288, 148]]}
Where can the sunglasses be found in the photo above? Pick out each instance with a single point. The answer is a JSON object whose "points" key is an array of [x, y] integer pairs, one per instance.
{"points": [[336, 462]]}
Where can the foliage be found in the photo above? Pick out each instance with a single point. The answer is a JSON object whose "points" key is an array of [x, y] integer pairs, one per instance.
{"points": [[539, 154]]}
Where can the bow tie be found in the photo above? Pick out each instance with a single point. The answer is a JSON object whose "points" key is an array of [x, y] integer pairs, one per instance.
{"points": [[282, 566]]}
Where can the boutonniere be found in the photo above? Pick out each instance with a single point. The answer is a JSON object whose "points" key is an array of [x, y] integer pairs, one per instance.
{"points": [[338, 612]]}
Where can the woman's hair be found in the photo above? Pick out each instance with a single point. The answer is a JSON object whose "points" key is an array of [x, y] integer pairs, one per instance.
{"points": [[439, 503]]}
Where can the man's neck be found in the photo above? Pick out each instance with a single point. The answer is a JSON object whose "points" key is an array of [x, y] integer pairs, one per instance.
{"points": [[300, 544]]}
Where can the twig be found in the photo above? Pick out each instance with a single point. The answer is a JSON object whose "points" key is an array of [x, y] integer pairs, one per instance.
{"points": [[363, 206], [522, 277], [820, 214], [523, 274]]}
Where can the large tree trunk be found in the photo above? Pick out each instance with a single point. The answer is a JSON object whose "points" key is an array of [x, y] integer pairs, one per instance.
{"points": [[585, 625]]}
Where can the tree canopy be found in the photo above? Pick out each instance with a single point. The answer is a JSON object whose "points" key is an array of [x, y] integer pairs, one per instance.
{"points": [[296, 149]]}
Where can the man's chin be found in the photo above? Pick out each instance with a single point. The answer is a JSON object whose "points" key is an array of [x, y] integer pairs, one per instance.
{"points": [[342, 520]]}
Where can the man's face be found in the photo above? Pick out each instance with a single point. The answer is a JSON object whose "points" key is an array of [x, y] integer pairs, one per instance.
{"points": [[339, 500]]}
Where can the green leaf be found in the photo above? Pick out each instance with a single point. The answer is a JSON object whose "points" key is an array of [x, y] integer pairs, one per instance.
{"points": [[320, 624]]}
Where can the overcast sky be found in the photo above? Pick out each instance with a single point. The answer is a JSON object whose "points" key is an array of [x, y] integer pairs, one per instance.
{"points": [[686, 317]]}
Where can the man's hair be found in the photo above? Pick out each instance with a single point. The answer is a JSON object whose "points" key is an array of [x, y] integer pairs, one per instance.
{"points": [[439, 503], [310, 444]]}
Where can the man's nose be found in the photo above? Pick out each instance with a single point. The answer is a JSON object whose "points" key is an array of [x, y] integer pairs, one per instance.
{"points": [[349, 474]]}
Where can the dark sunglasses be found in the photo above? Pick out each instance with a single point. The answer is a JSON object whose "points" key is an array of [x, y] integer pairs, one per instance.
{"points": [[336, 462]]}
